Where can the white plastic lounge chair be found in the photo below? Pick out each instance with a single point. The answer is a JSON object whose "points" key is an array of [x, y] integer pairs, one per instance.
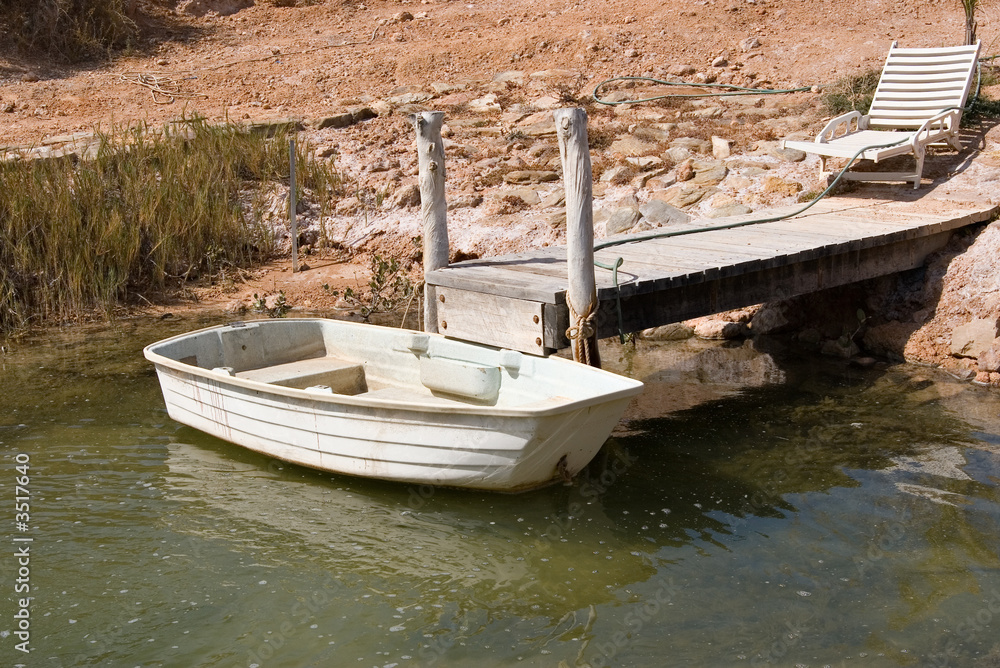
{"points": [[918, 102]]}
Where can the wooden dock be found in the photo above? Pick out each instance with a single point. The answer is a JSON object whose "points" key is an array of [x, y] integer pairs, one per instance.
{"points": [[519, 301]]}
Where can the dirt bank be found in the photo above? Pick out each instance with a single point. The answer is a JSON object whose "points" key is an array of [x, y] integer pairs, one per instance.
{"points": [[351, 73]]}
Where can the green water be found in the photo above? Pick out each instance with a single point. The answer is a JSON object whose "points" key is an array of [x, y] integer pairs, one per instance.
{"points": [[753, 508]]}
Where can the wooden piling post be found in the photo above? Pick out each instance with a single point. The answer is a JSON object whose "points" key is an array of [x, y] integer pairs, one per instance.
{"points": [[581, 297], [433, 207], [292, 205]]}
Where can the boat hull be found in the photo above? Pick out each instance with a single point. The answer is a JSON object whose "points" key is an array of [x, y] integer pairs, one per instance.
{"points": [[439, 442]]}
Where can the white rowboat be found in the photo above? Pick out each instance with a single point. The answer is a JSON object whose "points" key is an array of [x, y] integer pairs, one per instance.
{"points": [[391, 403]]}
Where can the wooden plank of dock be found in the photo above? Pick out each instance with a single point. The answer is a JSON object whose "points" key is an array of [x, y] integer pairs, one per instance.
{"points": [[519, 301]]}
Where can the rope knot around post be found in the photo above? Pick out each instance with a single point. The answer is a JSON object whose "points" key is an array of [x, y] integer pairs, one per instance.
{"points": [[581, 333], [581, 327]]}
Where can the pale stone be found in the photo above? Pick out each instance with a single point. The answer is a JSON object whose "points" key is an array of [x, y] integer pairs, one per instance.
{"points": [[719, 329], [973, 338], [527, 195], [645, 163], [729, 210], [708, 173], [530, 176], [774, 318], [631, 146], [989, 359], [464, 202], [622, 220], [555, 198], [676, 331], [487, 103], [407, 196], [660, 213], [721, 148], [692, 144]]}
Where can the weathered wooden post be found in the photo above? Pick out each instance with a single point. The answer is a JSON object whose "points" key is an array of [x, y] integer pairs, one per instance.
{"points": [[581, 297], [433, 207], [292, 205]]}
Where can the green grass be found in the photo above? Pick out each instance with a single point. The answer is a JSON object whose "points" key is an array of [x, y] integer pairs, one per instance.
{"points": [[152, 209]]}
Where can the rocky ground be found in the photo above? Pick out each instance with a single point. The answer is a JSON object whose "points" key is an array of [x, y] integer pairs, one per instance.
{"points": [[350, 74]]}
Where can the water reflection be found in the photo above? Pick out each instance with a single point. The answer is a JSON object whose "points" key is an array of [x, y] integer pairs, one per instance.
{"points": [[811, 514]]}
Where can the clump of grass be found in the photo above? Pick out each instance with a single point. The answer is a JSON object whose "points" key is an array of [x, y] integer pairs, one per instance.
{"points": [[150, 210], [852, 93], [73, 30]]}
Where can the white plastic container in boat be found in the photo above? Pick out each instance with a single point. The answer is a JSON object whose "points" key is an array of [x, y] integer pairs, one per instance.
{"points": [[391, 403]]}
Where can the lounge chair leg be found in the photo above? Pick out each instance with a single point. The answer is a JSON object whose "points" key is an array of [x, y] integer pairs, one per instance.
{"points": [[918, 153]]}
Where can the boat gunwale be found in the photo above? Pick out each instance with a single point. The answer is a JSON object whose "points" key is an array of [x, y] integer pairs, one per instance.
{"points": [[361, 400]]}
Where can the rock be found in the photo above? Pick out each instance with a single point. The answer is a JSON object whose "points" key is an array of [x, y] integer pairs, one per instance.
{"points": [[677, 331], [659, 213], [406, 197], [530, 176], [787, 154], [622, 220], [660, 182], [442, 88], [547, 102], [749, 43], [515, 76], [272, 126], [685, 170], [721, 148], [7, 107], [539, 130], [220, 7], [411, 94], [681, 70], [486, 104], [401, 17], [617, 175], [842, 347], [721, 61], [464, 202], [989, 359], [655, 135], [528, 196], [631, 146], [546, 75], [645, 163], [773, 185], [776, 317], [719, 329], [692, 144], [974, 338], [557, 221], [708, 173], [555, 198], [341, 120], [683, 196], [640, 181], [708, 112], [728, 210]]}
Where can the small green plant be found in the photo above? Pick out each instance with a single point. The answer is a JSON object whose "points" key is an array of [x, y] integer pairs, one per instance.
{"points": [[387, 289], [853, 93], [279, 310]]}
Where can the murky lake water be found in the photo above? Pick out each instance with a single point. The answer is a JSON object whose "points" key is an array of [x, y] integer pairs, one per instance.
{"points": [[753, 509]]}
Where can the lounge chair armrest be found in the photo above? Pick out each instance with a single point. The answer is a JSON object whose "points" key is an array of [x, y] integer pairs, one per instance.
{"points": [[947, 119], [841, 125]]}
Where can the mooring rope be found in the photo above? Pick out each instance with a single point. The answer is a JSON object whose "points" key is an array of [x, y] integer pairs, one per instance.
{"points": [[581, 330]]}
